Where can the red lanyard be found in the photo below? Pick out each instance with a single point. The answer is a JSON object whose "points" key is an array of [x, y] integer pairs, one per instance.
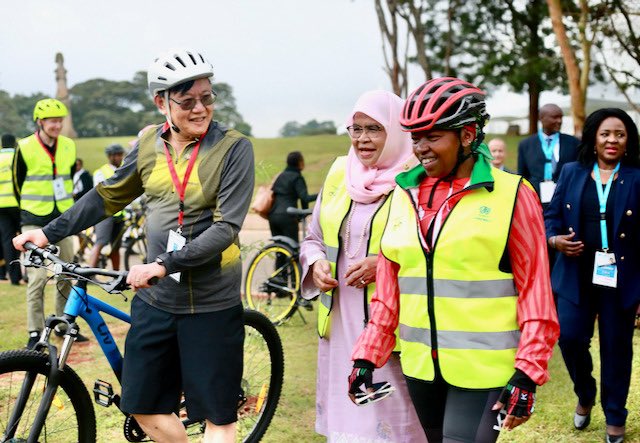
{"points": [[52, 157], [182, 187]]}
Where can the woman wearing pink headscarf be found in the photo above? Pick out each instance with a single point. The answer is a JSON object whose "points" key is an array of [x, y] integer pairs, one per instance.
{"points": [[339, 256]]}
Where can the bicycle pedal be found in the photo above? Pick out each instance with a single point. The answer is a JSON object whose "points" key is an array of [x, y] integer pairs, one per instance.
{"points": [[103, 393]]}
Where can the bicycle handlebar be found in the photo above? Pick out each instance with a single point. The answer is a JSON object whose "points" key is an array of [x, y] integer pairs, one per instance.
{"points": [[299, 212], [120, 277]]}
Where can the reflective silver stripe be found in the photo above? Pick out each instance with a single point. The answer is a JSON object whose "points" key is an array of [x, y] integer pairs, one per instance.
{"points": [[65, 176], [332, 254], [413, 285], [490, 341], [325, 300], [40, 198], [7, 195], [415, 335], [474, 289], [38, 178], [44, 198], [4, 182], [458, 288]]}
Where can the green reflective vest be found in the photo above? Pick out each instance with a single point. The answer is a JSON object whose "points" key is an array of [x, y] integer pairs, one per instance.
{"points": [[107, 172], [37, 195], [455, 300], [7, 197], [335, 206]]}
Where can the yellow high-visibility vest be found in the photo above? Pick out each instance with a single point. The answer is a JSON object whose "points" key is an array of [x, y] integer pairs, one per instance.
{"points": [[7, 197], [37, 194], [107, 172], [335, 206], [456, 300]]}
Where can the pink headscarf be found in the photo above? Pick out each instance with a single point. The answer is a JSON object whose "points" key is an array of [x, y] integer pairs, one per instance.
{"points": [[364, 184]]}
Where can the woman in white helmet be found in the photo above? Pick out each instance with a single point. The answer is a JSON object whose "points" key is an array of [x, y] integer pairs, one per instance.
{"points": [[198, 178]]}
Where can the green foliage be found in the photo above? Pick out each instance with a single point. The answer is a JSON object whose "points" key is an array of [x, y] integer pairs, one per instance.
{"points": [[10, 121], [312, 127]]}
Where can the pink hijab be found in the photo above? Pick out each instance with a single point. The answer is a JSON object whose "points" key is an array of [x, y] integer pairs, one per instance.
{"points": [[364, 184]]}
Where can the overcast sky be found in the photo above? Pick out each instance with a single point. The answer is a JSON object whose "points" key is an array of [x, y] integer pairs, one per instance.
{"points": [[285, 59]]}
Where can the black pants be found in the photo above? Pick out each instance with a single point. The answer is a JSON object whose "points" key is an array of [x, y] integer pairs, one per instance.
{"points": [[9, 226], [449, 414], [284, 224], [615, 326]]}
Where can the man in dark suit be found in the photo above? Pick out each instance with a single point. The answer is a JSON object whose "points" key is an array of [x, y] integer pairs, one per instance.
{"points": [[542, 155]]}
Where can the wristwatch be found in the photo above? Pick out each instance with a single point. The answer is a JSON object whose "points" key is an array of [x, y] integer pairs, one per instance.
{"points": [[160, 261]]}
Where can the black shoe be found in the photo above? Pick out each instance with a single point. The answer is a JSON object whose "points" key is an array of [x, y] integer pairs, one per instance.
{"points": [[34, 337], [614, 438], [304, 303]]}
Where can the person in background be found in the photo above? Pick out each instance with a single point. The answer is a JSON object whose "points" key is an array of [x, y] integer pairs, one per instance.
{"points": [[463, 272], [82, 180], [498, 149], [42, 169], [592, 221], [187, 331], [339, 256], [288, 189], [542, 155], [9, 212], [108, 230]]}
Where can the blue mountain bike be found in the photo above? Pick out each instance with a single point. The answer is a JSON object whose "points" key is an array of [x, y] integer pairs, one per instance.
{"points": [[42, 399]]}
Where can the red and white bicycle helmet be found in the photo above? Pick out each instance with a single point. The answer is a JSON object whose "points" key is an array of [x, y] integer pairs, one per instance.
{"points": [[444, 103]]}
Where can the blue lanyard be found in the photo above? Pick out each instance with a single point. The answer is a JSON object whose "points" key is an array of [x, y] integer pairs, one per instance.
{"points": [[547, 149], [602, 198]]}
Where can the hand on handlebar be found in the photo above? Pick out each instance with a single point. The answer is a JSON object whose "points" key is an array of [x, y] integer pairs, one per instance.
{"points": [[144, 276], [35, 236]]}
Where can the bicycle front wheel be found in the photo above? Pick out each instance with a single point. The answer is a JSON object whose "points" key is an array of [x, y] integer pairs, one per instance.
{"points": [[23, 379], [272, 282]]}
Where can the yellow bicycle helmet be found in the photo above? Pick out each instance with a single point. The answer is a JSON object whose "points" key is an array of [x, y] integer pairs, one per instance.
{"points": [[49, 108]]}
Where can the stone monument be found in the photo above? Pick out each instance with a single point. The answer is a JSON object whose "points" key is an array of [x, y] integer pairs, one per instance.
{"points": [[62, 94]]}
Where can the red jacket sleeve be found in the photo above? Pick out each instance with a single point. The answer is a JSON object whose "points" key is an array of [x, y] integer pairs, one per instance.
{"points": [[378, 339], [537, 316]]}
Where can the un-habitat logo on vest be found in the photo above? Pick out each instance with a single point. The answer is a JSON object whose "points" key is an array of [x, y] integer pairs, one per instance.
{"points": [[483, 214]]}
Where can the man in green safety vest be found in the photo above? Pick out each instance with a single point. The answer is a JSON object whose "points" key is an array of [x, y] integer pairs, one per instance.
{"points": [[108, 230], [43, 166], [9, 213]]}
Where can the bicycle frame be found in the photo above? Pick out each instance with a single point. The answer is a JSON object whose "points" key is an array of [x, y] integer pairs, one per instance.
{"points": [[80, 303]]}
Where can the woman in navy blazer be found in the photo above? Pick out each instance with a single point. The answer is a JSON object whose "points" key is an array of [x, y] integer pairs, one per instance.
{"points": [[609, 148]]}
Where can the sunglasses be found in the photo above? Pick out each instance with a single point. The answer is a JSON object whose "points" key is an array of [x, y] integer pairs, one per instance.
{"points": [[189, 103]]}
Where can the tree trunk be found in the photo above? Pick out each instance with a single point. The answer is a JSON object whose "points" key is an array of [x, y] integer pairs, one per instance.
{"points": [[572, 68], [534, 105]]}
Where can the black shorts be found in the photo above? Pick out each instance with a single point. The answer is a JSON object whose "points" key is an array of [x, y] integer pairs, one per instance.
{"points": [[108, 232], [200, 354]]}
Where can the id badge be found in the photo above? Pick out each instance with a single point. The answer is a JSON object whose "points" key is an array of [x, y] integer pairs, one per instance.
{"points": [[58, 189], [547, 189], [605, 271], [175, 243]]}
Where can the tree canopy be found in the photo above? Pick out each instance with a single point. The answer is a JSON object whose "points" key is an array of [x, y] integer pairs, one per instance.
{"points": [[312, 127]]}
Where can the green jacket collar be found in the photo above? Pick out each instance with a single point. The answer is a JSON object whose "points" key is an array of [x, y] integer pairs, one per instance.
{"points": [[480, 174]]}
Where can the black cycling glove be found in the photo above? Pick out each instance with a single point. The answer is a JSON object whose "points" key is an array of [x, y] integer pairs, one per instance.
{"points": [[362, 373], [519, 396]]}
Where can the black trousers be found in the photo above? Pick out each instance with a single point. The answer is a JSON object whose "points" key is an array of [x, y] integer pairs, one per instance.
{"points": [[615, 327], [9, 226]]}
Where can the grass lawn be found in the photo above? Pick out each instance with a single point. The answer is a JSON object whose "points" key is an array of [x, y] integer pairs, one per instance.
{"points": [[271, 153], [294, 421]]}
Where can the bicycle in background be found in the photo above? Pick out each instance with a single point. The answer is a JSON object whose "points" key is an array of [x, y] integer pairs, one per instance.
{"points": [[42, 399], [272, 281], [134, 241]]}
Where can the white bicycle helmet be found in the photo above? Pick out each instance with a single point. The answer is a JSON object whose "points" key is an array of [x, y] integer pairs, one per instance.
{"points": [[177, 66]]}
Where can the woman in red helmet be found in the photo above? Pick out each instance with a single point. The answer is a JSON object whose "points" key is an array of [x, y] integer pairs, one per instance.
{"points": [[469, 288]]}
